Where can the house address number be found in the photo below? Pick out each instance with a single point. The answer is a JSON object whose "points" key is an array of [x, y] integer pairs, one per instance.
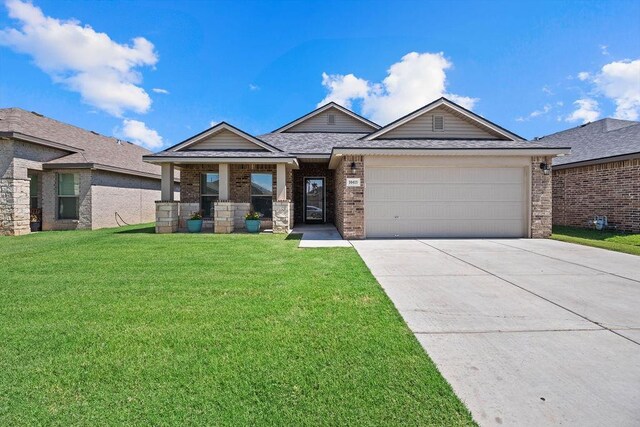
{"points": [[353, 182]]}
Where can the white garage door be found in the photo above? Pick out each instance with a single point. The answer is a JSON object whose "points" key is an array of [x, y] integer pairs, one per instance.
{"points": [[445, 201]]}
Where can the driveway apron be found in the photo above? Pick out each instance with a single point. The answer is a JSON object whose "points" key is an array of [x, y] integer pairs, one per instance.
{"points": [[528, 332]]}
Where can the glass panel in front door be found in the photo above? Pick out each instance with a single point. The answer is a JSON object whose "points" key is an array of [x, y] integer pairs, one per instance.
{"points": [[314, 208]]}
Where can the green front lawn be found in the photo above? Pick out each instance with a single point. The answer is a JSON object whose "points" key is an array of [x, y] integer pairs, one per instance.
{"points": [[123, 326], [628, 243]]}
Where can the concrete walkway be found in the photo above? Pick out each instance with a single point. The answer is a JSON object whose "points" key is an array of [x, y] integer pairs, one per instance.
{"points": [[320, 236], [528, 332]]}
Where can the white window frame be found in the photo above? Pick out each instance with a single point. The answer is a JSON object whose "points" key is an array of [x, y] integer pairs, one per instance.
{"points": [[76, 178]]}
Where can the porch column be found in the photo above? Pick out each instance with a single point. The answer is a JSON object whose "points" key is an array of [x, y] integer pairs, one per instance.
{"points": [[166, 185], [223, 191], [281, 182]]}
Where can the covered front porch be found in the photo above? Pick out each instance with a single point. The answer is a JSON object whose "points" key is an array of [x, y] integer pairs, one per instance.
{"points": [[224, 191]]}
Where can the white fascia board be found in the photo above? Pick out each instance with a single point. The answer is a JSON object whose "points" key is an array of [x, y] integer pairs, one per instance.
{"points": [[339, 152], [215, 160]]}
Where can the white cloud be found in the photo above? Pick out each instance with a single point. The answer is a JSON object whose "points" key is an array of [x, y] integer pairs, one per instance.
{"points": [[583, 75], [620, 82], [86, 61], [343, 89], [138, 133], [536, 113], [212, 123], [160, 90], [416, 80], [587, 111], [253, 87], [604, 49], [547, 90]]}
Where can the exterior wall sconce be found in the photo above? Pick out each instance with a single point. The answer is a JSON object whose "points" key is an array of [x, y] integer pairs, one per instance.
{"points": [[545, 168], [353, 167]]}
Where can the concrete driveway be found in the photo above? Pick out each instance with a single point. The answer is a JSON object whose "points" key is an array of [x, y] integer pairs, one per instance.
{"points": [[528, 332]]}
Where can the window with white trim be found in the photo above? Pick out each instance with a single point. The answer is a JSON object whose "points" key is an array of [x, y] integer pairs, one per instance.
{"points": [[68, 195]]}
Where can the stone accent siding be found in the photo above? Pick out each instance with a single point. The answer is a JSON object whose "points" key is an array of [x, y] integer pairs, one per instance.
{"points": [[242, 209], [14, 207], [608, 189], [541, 200], [349, 216], [224, 217], [167, 217], [282, 216], [313, 170]]}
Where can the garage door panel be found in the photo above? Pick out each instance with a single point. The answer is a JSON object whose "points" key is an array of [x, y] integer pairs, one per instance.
{"points": [[445, 201], [437, 175], [503, 192], [445, 211]]}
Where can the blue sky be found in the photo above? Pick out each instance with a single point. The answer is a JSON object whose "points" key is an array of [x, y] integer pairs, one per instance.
{"points": [[532, 67]]}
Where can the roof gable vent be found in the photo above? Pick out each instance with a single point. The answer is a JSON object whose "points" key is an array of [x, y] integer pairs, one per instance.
{"points": [[438, 123], [331, 119]]}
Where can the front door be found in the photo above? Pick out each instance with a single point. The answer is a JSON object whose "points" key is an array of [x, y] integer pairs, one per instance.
{"points": [[314, 200]]}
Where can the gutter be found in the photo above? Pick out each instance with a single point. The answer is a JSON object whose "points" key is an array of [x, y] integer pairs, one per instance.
{"points": [[98, 166], [337, 152]]}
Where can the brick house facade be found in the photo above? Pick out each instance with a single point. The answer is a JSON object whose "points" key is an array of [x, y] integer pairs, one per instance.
{"points": [[497, 184], [609, 189], [601, 176]]}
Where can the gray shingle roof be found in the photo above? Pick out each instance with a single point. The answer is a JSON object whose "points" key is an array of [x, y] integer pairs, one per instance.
{"points": [[220, 154], [600, 139], [93, 148], [315, 143], [310, 143]]}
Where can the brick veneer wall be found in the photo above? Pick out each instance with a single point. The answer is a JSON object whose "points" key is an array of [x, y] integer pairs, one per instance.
{"points": [[349, 215], [190, 181], [610, 189], [313, 170], [239, 181], [541, 200]]}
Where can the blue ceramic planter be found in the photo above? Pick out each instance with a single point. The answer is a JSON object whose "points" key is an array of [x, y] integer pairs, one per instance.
{"points": [[194, 225], [253, 225]]}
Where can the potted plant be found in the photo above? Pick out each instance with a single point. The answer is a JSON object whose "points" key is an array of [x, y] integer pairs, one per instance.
{"points": [[194, 224], [252, 222], [35, 222]]}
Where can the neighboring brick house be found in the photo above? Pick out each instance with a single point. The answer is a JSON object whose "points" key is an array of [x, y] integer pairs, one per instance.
{"points": [[70, 178], [601, 176], [441, 171]]}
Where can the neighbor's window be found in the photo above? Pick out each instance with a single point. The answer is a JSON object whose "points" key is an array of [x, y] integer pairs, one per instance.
{"points": [[262, 193], [33, 192], [209, 191], [68, 195]]}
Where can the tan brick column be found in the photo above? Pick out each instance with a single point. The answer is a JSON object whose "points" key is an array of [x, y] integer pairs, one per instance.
{"points": [[223, 217], [167, 217], [350, 200], [14, 206], [541, 199]]}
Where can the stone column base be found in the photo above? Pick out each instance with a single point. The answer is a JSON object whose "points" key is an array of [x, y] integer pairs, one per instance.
{"points": [[14, 207], [224, 217], [167, 217], [282, 214]]}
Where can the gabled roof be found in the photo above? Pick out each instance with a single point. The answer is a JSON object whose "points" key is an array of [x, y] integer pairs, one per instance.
{"points": [[599, 140], [480, 121], [322, 109], [79, 147], [218, 128]]}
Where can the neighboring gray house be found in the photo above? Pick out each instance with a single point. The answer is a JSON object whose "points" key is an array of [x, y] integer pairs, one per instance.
{"points": [[440, 171], [601, 176], [70, 178]]}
